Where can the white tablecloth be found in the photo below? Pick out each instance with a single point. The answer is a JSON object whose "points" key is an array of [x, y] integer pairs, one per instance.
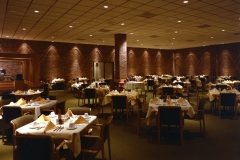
{"points": [[71, 137], [36, 107], [153, 108], [133, 85]]}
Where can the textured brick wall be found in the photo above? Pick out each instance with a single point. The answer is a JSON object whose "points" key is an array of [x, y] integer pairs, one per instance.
{"points": [[69, 61], [12, 68]]}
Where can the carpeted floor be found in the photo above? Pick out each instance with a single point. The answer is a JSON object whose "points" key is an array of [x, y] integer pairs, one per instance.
{"points": [[220, 142]]}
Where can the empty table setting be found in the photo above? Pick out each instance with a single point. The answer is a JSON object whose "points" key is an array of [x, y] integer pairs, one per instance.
{"points": [[131, 96], [133, 85], [69, 131], [33, 106], [156, 102]]}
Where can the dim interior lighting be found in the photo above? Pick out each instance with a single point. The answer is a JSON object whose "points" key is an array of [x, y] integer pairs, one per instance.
{"points": [[137, 40], [70, 26], [185, 2], [176, 32], [211, 37], [131, 33], [36, 11], [223, 30], [173, 38], [90, 35], [7, 36], [105, 6], [24, 29], [122, 24], [179, 21]]}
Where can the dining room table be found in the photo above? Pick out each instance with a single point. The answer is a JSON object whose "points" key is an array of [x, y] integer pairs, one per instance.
{"points": [[130, 85], [48, 125], [34, 107], [177, 89], [154, 103], [27, 95], [131, 96]]}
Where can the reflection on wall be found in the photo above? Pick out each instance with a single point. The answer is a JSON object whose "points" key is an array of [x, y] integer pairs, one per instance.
{"points": [[226, 63]]}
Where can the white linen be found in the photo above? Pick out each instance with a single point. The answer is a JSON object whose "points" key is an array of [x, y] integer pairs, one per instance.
{"points": [[71, 137], [153, 108]]}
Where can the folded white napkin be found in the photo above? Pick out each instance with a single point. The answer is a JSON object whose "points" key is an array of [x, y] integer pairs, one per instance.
{"points": [[224, 91], [214, 90]]}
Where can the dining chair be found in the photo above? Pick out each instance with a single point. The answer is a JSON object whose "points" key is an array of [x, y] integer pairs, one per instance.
{"points": [[37, 147], [80, 110], [48, 110], [19, 122], [102, 84], [221, 87], [90, 93], [84, 85], [120, 102], [199, 115], [168, 91], [93, 144], [9, 113], [229, 103], [60, 105], [169, 116], [142, 112], [150, 83]]}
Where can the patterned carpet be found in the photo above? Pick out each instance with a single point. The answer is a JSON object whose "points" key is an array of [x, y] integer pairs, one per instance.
{"points": [[220, 142]]}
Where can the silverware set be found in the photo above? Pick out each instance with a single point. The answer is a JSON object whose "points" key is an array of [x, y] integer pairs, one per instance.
{"points": [[58, 129]]}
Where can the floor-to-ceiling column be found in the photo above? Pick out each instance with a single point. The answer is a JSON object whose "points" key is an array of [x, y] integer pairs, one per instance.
{"points": [[120, 56]]}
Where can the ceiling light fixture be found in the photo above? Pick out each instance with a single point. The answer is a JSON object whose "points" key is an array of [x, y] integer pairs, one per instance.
{"points": [[105, 6], [70, 26], [179, 21], [131, 33], [223, 30], [211, 37], [122, 24], [36, 11], [176, 31], [185, 2], [7, 36], [24, 29], [90, 35], [173, 38], [137, 40]]}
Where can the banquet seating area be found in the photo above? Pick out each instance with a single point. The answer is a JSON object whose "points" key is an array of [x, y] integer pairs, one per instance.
{"points": [[206, 102]]}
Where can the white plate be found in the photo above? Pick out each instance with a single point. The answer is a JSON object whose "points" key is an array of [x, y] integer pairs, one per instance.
{"points": [[33, 127], [72, 128], [52, 116]]}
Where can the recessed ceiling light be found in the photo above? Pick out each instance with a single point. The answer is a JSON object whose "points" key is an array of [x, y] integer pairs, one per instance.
{"points": [[223, 30], [103, 41], [173, 38], [137, 40], [185, 2], [211, 37], [24, 29], [179, 21], [7, 36], [172, 43], [203, 42], [176, 31], [70, 26], [122, 24], [105, 6], [90, 35], [36, 11], [131, 33], [141, 44]]}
